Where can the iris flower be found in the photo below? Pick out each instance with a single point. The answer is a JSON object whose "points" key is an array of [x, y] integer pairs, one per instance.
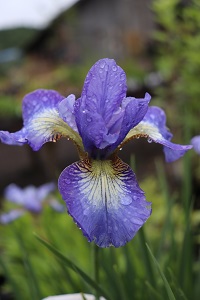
{"points": [[30, 199], [101, 191], [195, 141]]}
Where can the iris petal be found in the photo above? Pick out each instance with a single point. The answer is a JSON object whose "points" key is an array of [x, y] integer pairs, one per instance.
{"points": [[42, 122], [153, 127], [105, 200], [195, 141], [103, 92], [103, 114], [134, 112], [11, 216]]}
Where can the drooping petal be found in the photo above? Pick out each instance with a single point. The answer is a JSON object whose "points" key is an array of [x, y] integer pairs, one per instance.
{"points": [[30, 197], [195, 141], [42, 122], [11, 216], [153, 127], [105, 200], [16, 138]]}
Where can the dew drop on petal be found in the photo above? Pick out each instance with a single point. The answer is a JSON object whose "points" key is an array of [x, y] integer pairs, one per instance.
{"points": [[122, 76], [67, 181], [126, 200], [149, 140], [102, 64], [114, 68], [86, 211], [89, 119]]}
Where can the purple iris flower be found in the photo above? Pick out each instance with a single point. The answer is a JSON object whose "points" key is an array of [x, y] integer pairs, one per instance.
{"points": [[30, 199], [195, 141], [101, 191]]}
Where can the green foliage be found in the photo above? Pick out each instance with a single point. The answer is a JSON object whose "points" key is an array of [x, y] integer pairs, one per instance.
{"points": [[169, 270], [178, 44]]}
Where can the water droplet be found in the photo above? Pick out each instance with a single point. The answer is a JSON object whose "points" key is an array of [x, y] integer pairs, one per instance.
{"points": [[149, 140], [68, 181], [120, 149], [89, 119], [102, 64], [114, 68], [122, 76], [86, 211], [84, 111], [126, 200]]}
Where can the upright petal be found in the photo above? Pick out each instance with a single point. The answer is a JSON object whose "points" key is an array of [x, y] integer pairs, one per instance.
{"points": [[195, 141], [103, 113], [66, 111], [105, 200], [42, 122], [102, 95], [153, 127], [134, 111]]}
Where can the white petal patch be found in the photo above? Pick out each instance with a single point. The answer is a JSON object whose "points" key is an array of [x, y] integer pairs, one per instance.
{"points": [[48, 126], [144, 129]]}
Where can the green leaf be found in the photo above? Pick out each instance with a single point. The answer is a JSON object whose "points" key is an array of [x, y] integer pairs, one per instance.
{"points": [[166, 284], [73, 267]]}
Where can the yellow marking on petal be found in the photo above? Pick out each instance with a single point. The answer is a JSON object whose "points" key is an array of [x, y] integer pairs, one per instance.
{"points": [[143, 129], [51, 125], [102, 181]]}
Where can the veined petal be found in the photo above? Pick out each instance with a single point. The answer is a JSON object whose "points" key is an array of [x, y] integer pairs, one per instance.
{"points": [[16, 138], [102, 95], [134, 111], [153, 127], [195, 141], [11, 216], [66, 111], [42, 122], [105, 200]]}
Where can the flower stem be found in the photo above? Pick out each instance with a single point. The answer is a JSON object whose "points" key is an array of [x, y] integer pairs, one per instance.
{"points": [[95, 264]]}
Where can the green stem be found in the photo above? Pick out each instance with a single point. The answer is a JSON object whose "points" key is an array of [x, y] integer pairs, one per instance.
{"points": [[95, 264]]}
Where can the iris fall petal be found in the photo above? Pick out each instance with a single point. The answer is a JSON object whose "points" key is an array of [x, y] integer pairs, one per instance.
{"points": [[105, 201], [195, 141], [153, 127], [42, 122]]}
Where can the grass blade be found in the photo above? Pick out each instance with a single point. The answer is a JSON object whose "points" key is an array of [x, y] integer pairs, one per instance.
{"points": [[166, 284], [73, 267]]}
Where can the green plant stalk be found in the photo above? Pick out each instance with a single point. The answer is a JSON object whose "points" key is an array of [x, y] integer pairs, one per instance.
{"points": [[95, 264], [166, 284], [73, 267]]}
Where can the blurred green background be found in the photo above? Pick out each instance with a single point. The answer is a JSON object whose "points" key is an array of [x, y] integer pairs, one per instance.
{"points": [[157, 44]]}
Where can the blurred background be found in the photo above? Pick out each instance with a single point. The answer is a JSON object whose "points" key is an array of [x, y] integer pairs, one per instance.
{"points": [[52, 44]]}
